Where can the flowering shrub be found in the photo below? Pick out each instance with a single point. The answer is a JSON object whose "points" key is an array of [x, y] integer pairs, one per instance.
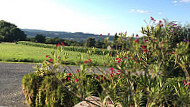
{"points": [[135, 77]]}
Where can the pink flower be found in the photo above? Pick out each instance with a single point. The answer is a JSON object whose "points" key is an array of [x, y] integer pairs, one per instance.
{"points": [[47, 56], [119, 61], [69, 74], [100, 34], [145, 50], [68, 78], [89, 60], [143, 46], [76, 80], [174, 24], [111, 54], [58, 44], [151, 18], [136, 40], [125, 57], [85, 62], [117, 73], [62, 44], [50, 60], [117, 58], [160, 21], [161, 25], [173, 52], [111, 69], [184, 83], [77, 70]]}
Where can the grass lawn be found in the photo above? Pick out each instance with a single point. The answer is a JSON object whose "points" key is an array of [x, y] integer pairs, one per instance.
{"points": [[11, 52]]}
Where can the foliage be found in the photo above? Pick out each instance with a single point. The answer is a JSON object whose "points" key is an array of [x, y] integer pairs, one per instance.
{"points": [[30, 91], [90, 42], [10, 33], [49, 86], [98, 44], [56, 40], [45, 91], [140, 76], [40, 38], [69, 48], [80, 37]]}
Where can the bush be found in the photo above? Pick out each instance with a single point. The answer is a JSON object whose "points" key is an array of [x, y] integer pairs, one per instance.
{"points": [[50, 91], [138, 77], [45, 91], [30, 83]]}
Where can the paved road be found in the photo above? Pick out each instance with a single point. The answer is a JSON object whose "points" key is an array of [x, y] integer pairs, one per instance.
{"points": [[11, 75], [10, 84]]}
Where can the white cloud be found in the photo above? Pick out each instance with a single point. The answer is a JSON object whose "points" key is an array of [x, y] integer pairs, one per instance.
{"points": [[47, 15], [140, 11], [185, 1], [175, 1]]}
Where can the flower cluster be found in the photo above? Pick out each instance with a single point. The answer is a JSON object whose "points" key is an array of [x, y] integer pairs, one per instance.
{"points": [[63, 44]]}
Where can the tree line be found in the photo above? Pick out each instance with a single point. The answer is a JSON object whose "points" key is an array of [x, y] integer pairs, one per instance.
{"points": [[11, 33]]}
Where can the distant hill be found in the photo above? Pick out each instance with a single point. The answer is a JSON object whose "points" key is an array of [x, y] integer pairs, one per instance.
{"points": [[77, 36]]}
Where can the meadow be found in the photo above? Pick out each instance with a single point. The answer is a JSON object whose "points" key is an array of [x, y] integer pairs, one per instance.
{"points": [[12, 52]]}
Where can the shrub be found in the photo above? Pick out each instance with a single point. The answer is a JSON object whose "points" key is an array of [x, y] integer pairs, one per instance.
{"points": [[137, 77], [30, 83], [45, 91]]}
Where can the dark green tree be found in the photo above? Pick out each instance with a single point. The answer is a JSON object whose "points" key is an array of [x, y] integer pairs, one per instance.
{"points": [[90, 42], [10, 33], [40, 38], [98, 44], [54, 40]]}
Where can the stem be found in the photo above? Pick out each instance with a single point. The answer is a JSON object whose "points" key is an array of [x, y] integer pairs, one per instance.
{"points": [[185, 71]]}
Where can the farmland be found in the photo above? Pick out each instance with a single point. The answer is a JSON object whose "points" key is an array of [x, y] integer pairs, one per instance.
{"points": [[11, 52]]}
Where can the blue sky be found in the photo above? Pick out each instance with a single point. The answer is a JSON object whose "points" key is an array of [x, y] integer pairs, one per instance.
{"points": [[92, 16]]}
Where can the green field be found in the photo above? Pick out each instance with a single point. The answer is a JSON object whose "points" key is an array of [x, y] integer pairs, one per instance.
{"points": [[11, 52]]}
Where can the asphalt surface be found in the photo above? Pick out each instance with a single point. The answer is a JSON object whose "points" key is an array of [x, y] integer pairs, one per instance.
{"points": [[10, 84]]}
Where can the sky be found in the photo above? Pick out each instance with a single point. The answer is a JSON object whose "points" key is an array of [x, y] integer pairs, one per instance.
{"points": [[92, 16]]}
